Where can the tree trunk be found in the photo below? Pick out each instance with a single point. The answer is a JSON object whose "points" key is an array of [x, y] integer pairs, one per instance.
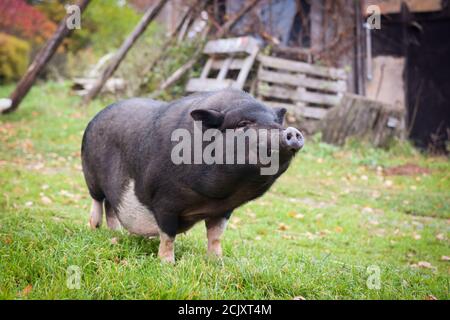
{"points": [[360, 117], [148, 17], [41, 60]]}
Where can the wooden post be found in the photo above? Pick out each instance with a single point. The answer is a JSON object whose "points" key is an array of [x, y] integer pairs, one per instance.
{"points": [[148, 17], [359, 70], [41, 60]]}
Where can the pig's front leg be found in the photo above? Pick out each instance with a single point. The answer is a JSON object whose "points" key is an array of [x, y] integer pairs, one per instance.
{"points": [[214, 230], [167, 226], [166, 248]]}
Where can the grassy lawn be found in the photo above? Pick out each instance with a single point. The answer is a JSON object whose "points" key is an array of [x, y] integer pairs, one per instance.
{"points": [[325, 229]]}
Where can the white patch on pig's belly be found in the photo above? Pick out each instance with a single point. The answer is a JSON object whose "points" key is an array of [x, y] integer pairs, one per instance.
{"points": [[134, 216]]}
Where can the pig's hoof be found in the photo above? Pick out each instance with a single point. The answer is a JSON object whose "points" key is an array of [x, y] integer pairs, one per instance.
{"points": [[214, 254], [167, 259], [94, 224], [215, 249], [95, 220]]}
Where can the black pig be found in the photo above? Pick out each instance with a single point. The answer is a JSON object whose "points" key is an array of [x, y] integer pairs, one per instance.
{"points": [[127, 164]]}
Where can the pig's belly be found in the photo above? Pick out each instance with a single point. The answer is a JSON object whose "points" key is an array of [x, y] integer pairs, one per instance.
{"points": [[134, 216]]}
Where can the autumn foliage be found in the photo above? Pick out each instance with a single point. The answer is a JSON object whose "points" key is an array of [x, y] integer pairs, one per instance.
{"points": [[14, 54], [25, 21]]}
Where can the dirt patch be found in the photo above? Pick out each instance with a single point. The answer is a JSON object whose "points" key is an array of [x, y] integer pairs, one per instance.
{"points": [[406, 170]]}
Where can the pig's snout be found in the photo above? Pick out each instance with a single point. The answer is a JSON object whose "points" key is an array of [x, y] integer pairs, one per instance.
{"points": [[293, 139]]}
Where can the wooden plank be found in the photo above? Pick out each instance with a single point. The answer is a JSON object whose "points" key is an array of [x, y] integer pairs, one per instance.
{"points": [[277, 92], [207, 68], [312, 112], [198, 85], [248, 63], [236, 64], [231, 45], [297, 95], [224, 70], [301, 80], [339, 86], [319, 98], [393, 6], [280, 77], [302, 67], [299, 109], [274, 104]]}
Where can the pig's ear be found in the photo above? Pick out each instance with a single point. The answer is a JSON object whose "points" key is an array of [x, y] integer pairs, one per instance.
{"points": [[209, 118], [280, 112]]}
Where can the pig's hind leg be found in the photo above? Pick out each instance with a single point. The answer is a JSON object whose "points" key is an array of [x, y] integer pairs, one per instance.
{"points": [[95, 221], [111, 217]]}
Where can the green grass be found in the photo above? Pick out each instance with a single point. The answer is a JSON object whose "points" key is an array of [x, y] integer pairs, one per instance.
{"points": [[330, 217]]}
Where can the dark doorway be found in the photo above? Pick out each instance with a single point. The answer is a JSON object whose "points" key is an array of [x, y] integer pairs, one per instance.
{"points": [[424, 40]]}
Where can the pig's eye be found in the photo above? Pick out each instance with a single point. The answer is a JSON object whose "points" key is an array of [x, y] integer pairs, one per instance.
{"points": [[243, 123]]}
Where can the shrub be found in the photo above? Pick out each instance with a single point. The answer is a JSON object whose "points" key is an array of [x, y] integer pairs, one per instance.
{"points": [[14, 55], [22, 20]]}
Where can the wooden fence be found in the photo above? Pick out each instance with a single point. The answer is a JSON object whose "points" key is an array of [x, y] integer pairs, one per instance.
{"points": [[304, 89]]}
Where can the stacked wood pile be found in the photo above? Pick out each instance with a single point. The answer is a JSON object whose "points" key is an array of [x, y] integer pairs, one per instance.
{"points": [[307, 91], [228, 65], [357, 116], [82, 85]]}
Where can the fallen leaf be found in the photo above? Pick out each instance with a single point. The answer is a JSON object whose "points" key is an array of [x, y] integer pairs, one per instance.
{"points": [[310, 235], [388, 183], [7, 240], [295, 215], [28, 203], [232, 226], [376, 194], [430, 297], [367, 210], [26, 291], [46, 200], [417, 236], [283, 227], [251, 214], [292, 214], [440, 236], [338, 229], [114, 241], [423, 264], [235, 220], [299, 298], [445, 258]]}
